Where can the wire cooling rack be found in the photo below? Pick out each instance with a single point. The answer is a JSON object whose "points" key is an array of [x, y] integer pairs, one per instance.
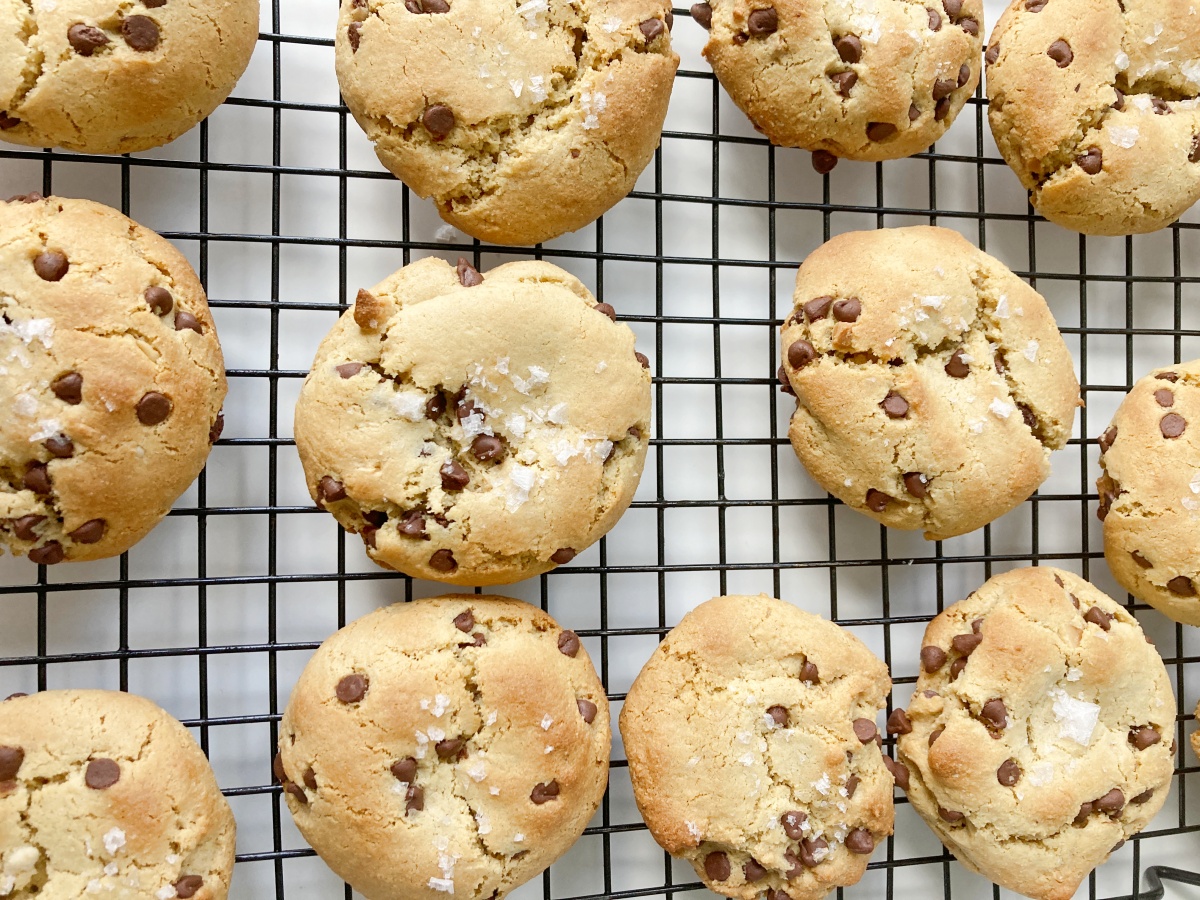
{"points": [[281, 206]]}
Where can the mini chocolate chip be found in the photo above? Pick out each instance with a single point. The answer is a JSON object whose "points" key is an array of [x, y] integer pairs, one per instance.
{"points": [[1060, 52], [1035, 6], [880, 131], [809, 850], [1143, 737], [468, 275], [914, 112], [68, 388], [413, 525], [159, 300], [898, 722], [296, 791], [102, 774], [215, 429], [941, 109], [957, 366], [1172, 425], [894, 405], [992, 54], [1107, 439], [7, 122], [1181, 586], [762, 22], [477, 640], [352, 688], [847, 310], [849, 48], [435, 406], [354, 35], [844, 81], [310, 779], [568, 643], [793, 823], [702, 13], [23, 529], [562, 555], [405, 770], [90, 532], [956, 667], [809, 673], [753, 870], [1164, 397], [899, 770], [185, 321], [970, 26], [60, 446], [865, 730], [785, 385], [943, 87], [587, 709], [860, 841], [330, 490], [977, 625], [1119, 103], [779, 714], [800, 354], [932, 658], [438, 120], [606, 309], [1009, 773], [187, 886], [414, 799], [10, 762], [823, 162], [51, 265], [950, 815], [877, 501], [994, 714], [817, 308], [1194, 153], [427, 6], [935, 19], [487, 447], [153, 408], [153, 4], [670, 19], [1167, 376], [49, 554], [465, 621], [1112, 802], [1142, 797], [37, 478], [652, 28], [916, 484], [350, 369], [1140, 560], [86, 39], [449, 748], [1097, 616], [852, 785], [1027, 416], [1091, 162], [543, 793], [1082, 816], [454, 476], [1160, 106], [966, 643], [643, 359], [443, 561], [140, 33]]}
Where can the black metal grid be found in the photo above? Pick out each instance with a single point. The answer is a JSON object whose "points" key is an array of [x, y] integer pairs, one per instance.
{"points": [[1098, 290]]}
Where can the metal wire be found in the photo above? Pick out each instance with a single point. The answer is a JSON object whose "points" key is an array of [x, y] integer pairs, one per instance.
{"points": [[612, 583]]}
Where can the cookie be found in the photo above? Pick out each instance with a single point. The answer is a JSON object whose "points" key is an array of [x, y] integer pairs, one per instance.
{"points": [[754, 752], [1093, 105], [452, 745], [1039, 735], [103, 793], [931, 383], [118, 77], [475, 429], [859, 80], [521, 123], [111, 379], [1150, 492]]}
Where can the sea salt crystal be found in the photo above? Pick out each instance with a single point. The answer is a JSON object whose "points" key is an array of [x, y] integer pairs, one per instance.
{"points": [[114, 840], [521, 480], [474, 424], [1191, 70], [692, 830], [1000, 409], [1002, 307], [1076, 718], [564, 451], [601, 451], [442, 884], [517, 85], [1041, 773], [166, 892], [93, 887], [549, 749], [440, 704], [613, 24], [448, 234], [172, 859], [819, 853], [30, 330], [502, 365], [537, 87], [822, 785], [477, 771], [518, 838], [1194, 484], [694, 761], [557, 414], [491, 719], [746, 759], [1123, 135], [769, 723], [25, 404], [934, 302], [409, 405], [537, 376], [23, 860], [515, 425], [494, 791], [1122, 61], [1190, 503], [1152, 38], [601, 366], [484, 826], [1074, 674], [975, 426], [1031, 351], [46, 428], [547, 722], [436, 734], [111, 870]]}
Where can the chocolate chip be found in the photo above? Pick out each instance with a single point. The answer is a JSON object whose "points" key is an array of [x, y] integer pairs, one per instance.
{"points": [[1167, 376], [543, 793], [762, 22], [1060, 52], [957, 366], [1108, 438], [809, 850], [477, 640], [932, 658], [950, 815], [753, 870], [793, 823], [1160, 107], [1141, 738], [606, 308], [160, 301], [354, 35], [860, 841], [809, 673], [102, 774], [670, 19], [153, 408], [1097, 616], [914, 112], [1009, 773], [153, 4], [438, 120], [953, 8], [435, 406], [916, 484], [1143, 797], [23, 529], [1082, 816], [849, 48], [880, 131], [823, 162], [899, 770], [468, 275], [702, 13], [330, 490], [956, 667], [1091, 162], [1181, 586], [562, 555], [844, 81], [352, 688], [852, 785], [449, 748], [1035, 6], [414, 799], [898, 722], [350, 369], [454, 476], [412, 524], [188, 885], [215, 429], [310, 779], [994, 714], [643, 359], [865, 730], [465, 621], [716, 866], [86, 39], [970, 26], [68, 388], [140, 33], [37, 478], [587, 709], [7, 122], [60, 446], [427, 6], [277, 768], [568, 643], [1112, 802], [31, 197], [10, 762], [966, 643], [1140, 560], [847, 310], [943, 87], [894, 405], [1194, 153], [941, 109], [992, 54], [935, 19], [800, 354], [1172, 425], [296, 791], [1027, 416], [51, 265], [1119, 103], [877, 501], [443, 561], [49, 554], [1164, 397], [185, 321], [405, 770], [487, 447], [90, 532], [652, 28], [779, 714]]}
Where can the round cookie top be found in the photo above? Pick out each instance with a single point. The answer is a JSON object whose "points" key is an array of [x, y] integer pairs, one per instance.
{"points": [[451, 745], [862, 80], [101, 77], [476, 429], [1093, 105], [1148, 491], [110, 366], [931, 382], [1039, 735], [779, 786], [104, 793], [521, 122]]}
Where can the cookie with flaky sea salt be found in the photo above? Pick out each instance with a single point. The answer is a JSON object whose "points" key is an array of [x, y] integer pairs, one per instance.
{"points": [[522, 121], [860, 80], [111, 379], [454, 745], [101, 76], [104, 794], [1039, 735], [476, 429], [754, 752], [931, 382], [1150, 491], [1093, 105]]}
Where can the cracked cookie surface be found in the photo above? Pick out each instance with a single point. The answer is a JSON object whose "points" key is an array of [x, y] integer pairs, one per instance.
{"points": [[1093, 103], [522, 120], [1150, 491], [454, 745], [931, 382], [111, 377], [1039, 737], [476, 429], [753, 749], [867, 79], [102, 76], [103, 793]]}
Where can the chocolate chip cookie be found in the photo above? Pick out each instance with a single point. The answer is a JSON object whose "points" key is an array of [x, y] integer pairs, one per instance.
{"points": [[111, 379], [521, 122], [1093, 105], [457, 744], [1150, 491], [118, 77], [105, 794], [931, 383], [754, 751], [476, 429], [867, 81], [1039, 735]]}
